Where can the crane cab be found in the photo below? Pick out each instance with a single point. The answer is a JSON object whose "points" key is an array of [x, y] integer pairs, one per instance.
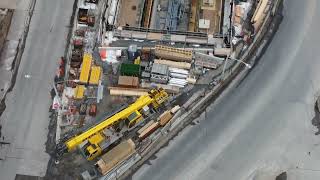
{"points": [[92, 151], [97, 144], [90, 148], [133, 118]]}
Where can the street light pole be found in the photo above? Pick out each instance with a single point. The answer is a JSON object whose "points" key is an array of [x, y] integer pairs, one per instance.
{"points": [[238, 60], [224, 66], [246, 64]]}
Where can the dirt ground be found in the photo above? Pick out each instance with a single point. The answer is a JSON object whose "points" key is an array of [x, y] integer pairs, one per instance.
{"points": [[129, 12], [214, 16]]}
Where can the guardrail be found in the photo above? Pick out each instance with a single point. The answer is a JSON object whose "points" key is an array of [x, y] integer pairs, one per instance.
{"points": [[141, 29], [170, 36]]}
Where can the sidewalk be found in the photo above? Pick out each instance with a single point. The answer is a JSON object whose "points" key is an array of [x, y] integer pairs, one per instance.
{"points": [[8, 60]]}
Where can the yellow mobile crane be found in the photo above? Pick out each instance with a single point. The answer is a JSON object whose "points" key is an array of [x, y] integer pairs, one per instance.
{"points": [[91, 139]]}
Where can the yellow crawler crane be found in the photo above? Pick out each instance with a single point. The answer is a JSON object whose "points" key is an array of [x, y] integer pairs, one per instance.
{"points": [[91, 140]]}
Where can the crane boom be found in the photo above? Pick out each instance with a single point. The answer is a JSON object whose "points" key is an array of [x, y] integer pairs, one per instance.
{"points": [[94, 135], [140, 103]]}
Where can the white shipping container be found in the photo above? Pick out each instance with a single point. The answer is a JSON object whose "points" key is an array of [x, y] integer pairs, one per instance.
{"points": [[177, 85], [175, 109], [180, 71], [178, 80], [178, 75]]}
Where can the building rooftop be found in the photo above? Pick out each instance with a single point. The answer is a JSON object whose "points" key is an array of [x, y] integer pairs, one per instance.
{"points": [[159, 69]]}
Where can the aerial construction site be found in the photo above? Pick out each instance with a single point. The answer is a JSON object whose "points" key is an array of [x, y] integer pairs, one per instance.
{"points": [[132, 68]]}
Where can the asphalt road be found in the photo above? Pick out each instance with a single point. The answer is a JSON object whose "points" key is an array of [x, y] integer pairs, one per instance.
{"points": [[263, 126], [26, 118]]}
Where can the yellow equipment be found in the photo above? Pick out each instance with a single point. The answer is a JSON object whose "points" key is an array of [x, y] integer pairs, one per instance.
{"points": [[95, 75], [138, 60], [79, 91], [85, 68], [93, 137]]}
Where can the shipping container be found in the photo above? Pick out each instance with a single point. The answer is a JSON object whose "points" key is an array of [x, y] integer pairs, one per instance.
{"points": [[164, 118], [178, 75], [95, 75], [128, 81], [177, 70], [160, 69], [130, 69], [85, 68]]}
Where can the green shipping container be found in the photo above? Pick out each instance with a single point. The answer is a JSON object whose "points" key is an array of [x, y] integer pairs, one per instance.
{"points": [[130, 69]]}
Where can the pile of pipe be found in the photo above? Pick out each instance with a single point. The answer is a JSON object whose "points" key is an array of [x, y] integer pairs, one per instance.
{"points": [[178, 77]]}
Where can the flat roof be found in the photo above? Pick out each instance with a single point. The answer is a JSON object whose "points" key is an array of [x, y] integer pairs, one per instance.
{"points": [[159, 69]]}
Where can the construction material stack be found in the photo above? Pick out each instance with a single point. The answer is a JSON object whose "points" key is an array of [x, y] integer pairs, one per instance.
{"points": [[128, 81], [152, 126], [174, 64], [178, 77], [167, 52], [115, 156]]}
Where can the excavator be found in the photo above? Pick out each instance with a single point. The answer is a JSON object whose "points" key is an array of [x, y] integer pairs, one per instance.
{"points": [[92, 142]]}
